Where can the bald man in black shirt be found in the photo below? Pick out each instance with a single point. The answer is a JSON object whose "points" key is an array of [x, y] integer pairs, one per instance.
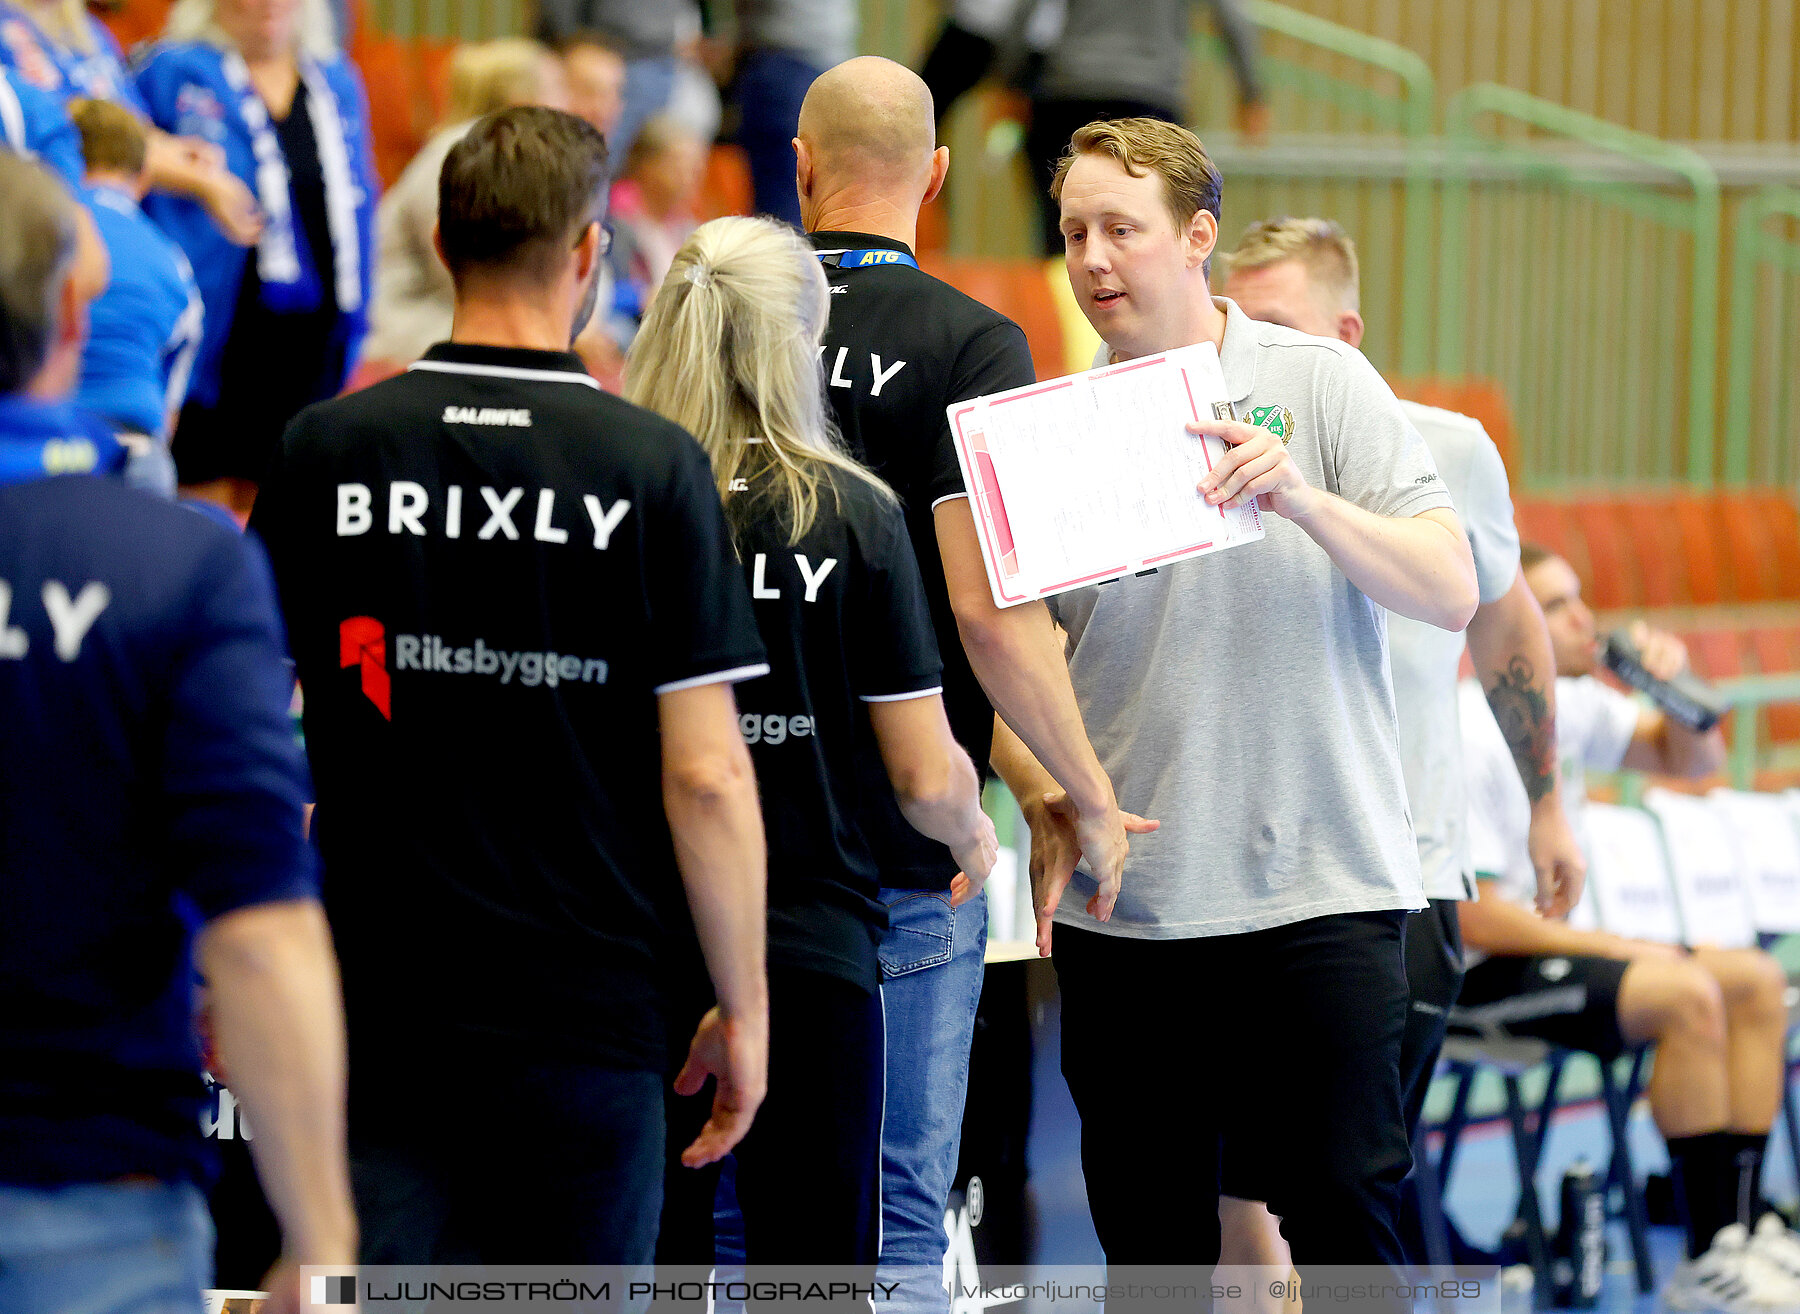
{"points": [[900, 347]]}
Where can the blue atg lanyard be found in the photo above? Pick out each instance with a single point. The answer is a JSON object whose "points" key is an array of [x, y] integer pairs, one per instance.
{"points": [[864, 259]]}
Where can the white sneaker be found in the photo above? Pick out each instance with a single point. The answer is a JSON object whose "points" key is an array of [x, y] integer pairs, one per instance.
{"points": [[1732, 1278], [1775, 1243]]}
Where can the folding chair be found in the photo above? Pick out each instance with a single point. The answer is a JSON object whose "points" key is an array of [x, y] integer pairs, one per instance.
{"points": [[1762, 833], [1628, 893], [1711, 893]]}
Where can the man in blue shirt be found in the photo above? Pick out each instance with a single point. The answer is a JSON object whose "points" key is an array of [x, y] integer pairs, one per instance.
{"points": [[144, 329], [151, 798]]}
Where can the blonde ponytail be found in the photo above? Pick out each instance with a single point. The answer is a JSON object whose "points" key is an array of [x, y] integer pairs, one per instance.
{"points": [[730, 351]]}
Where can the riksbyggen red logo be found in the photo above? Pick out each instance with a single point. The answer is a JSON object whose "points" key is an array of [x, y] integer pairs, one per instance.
{"points": [[362, 642]]}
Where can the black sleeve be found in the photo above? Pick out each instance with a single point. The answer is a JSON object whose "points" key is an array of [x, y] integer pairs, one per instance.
{"points": [[271, 516], [703, 631], [992, 360], [891, 648], [234, 780]]}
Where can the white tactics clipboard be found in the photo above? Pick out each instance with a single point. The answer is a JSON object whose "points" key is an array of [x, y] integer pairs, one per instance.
{"points": [[1083, 479]]}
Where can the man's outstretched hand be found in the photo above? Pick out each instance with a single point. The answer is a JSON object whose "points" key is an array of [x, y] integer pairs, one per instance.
{"points": [[1060, 837]]}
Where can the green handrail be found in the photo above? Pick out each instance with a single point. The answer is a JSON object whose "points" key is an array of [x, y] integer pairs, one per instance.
{"points": [[1749, 694], [1751, 246], [1418, 103], [1460, 115]]}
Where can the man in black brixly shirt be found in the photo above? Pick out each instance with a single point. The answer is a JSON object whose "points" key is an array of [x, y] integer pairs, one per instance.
{"points": [[517, 619], [900, 347]]}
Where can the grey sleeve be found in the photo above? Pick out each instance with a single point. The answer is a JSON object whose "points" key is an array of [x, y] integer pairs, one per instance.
{"points": [[1487, 518], [1380, 461], [1240, 38]]}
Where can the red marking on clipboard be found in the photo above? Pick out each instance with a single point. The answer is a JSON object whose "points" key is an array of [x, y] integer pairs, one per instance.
{"points": [[1110, 572], [990, 507], [1191, 547], [1205, 444], [993, 503], [1131, 365], [1034, 392]]}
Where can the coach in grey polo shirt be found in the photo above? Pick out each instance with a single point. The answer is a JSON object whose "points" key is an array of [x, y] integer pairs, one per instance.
{"points": [[1319, 822], [1244, 700]]}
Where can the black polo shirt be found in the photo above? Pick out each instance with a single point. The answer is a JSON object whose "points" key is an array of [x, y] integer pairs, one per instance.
{"points": [[844, 615], [490, 569], [900, 347]]}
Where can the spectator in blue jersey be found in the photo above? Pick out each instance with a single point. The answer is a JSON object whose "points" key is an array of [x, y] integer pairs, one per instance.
{"points": [[144, 329], [266, 84], [34, 124], [63, 51], [150, 822]]}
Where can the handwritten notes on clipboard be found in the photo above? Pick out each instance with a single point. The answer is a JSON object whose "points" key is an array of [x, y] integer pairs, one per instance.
{"points": [[1083, 479]]}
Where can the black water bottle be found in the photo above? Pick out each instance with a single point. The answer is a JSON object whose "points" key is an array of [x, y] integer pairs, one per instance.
{"points": [[1580, 1263], [1686, 698]]}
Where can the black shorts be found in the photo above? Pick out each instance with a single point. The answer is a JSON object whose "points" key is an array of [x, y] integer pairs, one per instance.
{"points": [[1567, 999]]}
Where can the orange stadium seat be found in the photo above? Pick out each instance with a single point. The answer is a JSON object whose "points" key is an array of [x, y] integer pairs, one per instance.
{"points": [[1481, 399], [725, 187], [1781, 526], [1701, 548], [393, 121], [1776, 649], [1662, 575], [141, 20], [1716, 652], [1754, 569], [1553, 525], [1611, 579]]}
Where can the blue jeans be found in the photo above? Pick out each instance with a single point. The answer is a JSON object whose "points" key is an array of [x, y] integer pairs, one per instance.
{"points": [[104, 1248], [931, 966]]}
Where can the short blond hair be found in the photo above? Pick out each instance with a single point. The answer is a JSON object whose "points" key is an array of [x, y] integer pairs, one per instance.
{"points": [[67, 21], [486, 76], [1321, 245], [196, 20], [1191, 181]]}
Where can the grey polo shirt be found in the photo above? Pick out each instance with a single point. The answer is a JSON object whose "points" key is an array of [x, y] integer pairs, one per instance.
{"points": [[1243, 697], [1424, 659]]}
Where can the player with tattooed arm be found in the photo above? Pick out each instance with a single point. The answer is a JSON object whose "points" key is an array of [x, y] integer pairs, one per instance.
{"points": [[1302, 273], [1716, 1016]]}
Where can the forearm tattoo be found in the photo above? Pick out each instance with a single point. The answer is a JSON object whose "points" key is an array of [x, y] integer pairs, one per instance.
{"points": [[1520, 706]]}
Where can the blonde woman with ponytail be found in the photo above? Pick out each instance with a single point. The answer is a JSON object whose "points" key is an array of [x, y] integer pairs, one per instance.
{"points": [[852, 706]]}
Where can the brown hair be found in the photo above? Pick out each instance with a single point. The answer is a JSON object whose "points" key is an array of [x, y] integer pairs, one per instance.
{"points": [[1191, 182], [1533, 555], [1321, 245], [517, 192], [112, 137]]}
